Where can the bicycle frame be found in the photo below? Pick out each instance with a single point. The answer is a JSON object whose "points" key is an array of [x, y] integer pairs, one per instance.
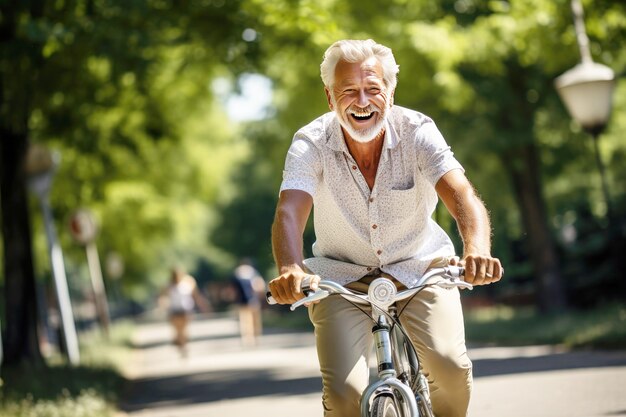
{"points": [[399, 373], [388, 353]]}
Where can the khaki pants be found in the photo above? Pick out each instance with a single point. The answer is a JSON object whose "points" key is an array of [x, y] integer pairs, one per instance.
{"points": [[434, 321]]}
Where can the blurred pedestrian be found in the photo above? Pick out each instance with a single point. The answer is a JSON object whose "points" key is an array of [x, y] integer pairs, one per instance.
{"points": [[250, 288], [182, 297]]}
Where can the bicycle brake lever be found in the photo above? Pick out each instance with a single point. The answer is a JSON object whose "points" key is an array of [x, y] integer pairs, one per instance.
{"points": [[315, 296], [454, 271], [454, 282]]}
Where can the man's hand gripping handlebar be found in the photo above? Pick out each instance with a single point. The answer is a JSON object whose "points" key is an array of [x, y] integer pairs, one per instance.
{"points": [[447, 277]]}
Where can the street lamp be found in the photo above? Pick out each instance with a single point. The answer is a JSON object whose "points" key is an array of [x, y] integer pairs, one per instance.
{"points": [[41, 165], [587, 91]]}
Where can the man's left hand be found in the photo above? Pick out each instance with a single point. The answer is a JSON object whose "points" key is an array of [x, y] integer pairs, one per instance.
{"points": [[481, 270]]}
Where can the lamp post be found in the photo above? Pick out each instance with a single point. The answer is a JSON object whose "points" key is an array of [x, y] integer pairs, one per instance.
{"points": [[41, 165], [587, 91]]}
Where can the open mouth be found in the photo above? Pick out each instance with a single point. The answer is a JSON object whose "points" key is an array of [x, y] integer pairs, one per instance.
{"points": [[361, 116]]}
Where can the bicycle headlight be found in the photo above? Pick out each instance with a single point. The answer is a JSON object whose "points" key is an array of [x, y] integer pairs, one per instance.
{"points": [[382, 292]]}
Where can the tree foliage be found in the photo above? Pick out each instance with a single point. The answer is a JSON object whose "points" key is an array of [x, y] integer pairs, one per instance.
{"points": [[123, 91]]}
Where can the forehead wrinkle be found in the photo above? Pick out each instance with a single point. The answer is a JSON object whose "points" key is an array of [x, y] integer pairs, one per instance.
{"points": [[369, 67], [369, 80]]}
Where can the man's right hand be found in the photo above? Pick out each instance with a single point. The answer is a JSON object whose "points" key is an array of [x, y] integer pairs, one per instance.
{"points": [[287, 288]]}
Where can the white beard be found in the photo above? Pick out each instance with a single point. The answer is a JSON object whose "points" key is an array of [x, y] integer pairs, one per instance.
{"points": [[363, 135], [366, 135]]}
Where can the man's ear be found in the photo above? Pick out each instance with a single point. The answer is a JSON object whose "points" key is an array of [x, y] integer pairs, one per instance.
{"points": [[329, 99]]}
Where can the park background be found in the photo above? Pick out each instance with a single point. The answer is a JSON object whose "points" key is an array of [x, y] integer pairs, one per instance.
{"points": [[171, 120]]}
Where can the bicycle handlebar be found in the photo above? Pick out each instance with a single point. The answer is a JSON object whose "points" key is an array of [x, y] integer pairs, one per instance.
{"points": [[451, 279]]}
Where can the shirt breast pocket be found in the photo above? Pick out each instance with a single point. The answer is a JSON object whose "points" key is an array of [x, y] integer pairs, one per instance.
{"points": [[403, 187], [403, 200], [402, 178]]}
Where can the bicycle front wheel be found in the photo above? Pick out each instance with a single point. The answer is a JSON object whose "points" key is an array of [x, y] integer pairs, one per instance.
{"points": [[385, 406]]}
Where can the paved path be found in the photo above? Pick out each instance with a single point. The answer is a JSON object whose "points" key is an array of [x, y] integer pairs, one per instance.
{"points": [[280, 376]]}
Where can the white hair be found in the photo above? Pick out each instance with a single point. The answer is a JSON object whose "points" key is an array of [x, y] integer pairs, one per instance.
{"points": [[358, 51]]}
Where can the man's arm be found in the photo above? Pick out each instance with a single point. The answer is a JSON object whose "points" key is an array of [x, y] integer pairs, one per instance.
{"points": [[472, 219], [292, 213]]}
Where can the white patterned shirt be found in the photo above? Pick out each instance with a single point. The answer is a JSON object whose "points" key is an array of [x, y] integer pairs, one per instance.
{"points": [[388, 229]]}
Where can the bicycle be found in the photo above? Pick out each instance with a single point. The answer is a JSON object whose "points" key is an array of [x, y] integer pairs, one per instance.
{"points": [[401, 389]]}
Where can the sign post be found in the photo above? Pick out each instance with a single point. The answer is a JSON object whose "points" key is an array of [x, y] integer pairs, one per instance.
{"points": [[84, 230]]}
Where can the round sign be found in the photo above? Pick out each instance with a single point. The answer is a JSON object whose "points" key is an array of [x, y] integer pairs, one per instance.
{"points": [[114, 265], [83, 226]]}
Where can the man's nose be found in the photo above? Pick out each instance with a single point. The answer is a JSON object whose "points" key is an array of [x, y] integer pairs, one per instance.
{"points": [[363, 99]]}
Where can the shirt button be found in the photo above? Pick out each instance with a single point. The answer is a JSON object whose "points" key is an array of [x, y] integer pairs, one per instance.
{"points": [[379, 251], [371, 199], [369, 268], [353, 166], [374, 226]]}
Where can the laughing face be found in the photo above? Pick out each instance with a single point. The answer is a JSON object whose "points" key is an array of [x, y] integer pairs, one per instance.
{"points": [[360, 98]]}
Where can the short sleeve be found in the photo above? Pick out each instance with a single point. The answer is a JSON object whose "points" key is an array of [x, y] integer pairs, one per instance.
{"points": [[434, 156], [302, 166]]}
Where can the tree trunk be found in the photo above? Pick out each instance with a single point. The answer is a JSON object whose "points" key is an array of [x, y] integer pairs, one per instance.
{"points": [[20, 338], [522, 164]]}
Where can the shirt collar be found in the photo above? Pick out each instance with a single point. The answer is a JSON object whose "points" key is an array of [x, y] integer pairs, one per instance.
{"points": [[335, 137], [391, 136]]}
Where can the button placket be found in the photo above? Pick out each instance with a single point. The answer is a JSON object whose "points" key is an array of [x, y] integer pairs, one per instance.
{"points": [[375, 236], [356, 174], [382, 179]]}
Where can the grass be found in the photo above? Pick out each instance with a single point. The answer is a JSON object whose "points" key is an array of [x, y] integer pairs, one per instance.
{"points": [[59, 390], [601, 328]]}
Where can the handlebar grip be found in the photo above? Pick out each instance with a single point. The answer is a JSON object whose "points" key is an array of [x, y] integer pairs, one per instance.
{"points": [[305, 285], [270, 300]]}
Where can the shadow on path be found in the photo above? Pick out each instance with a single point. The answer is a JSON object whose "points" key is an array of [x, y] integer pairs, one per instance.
{"points": [[207, 387], [551, 362], [166, 341]]}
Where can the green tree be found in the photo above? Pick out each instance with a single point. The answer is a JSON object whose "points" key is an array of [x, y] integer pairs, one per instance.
{"points": [[113, 86]]}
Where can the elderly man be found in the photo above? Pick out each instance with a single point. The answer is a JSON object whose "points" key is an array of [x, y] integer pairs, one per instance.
{"points": [[372, 172]]}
